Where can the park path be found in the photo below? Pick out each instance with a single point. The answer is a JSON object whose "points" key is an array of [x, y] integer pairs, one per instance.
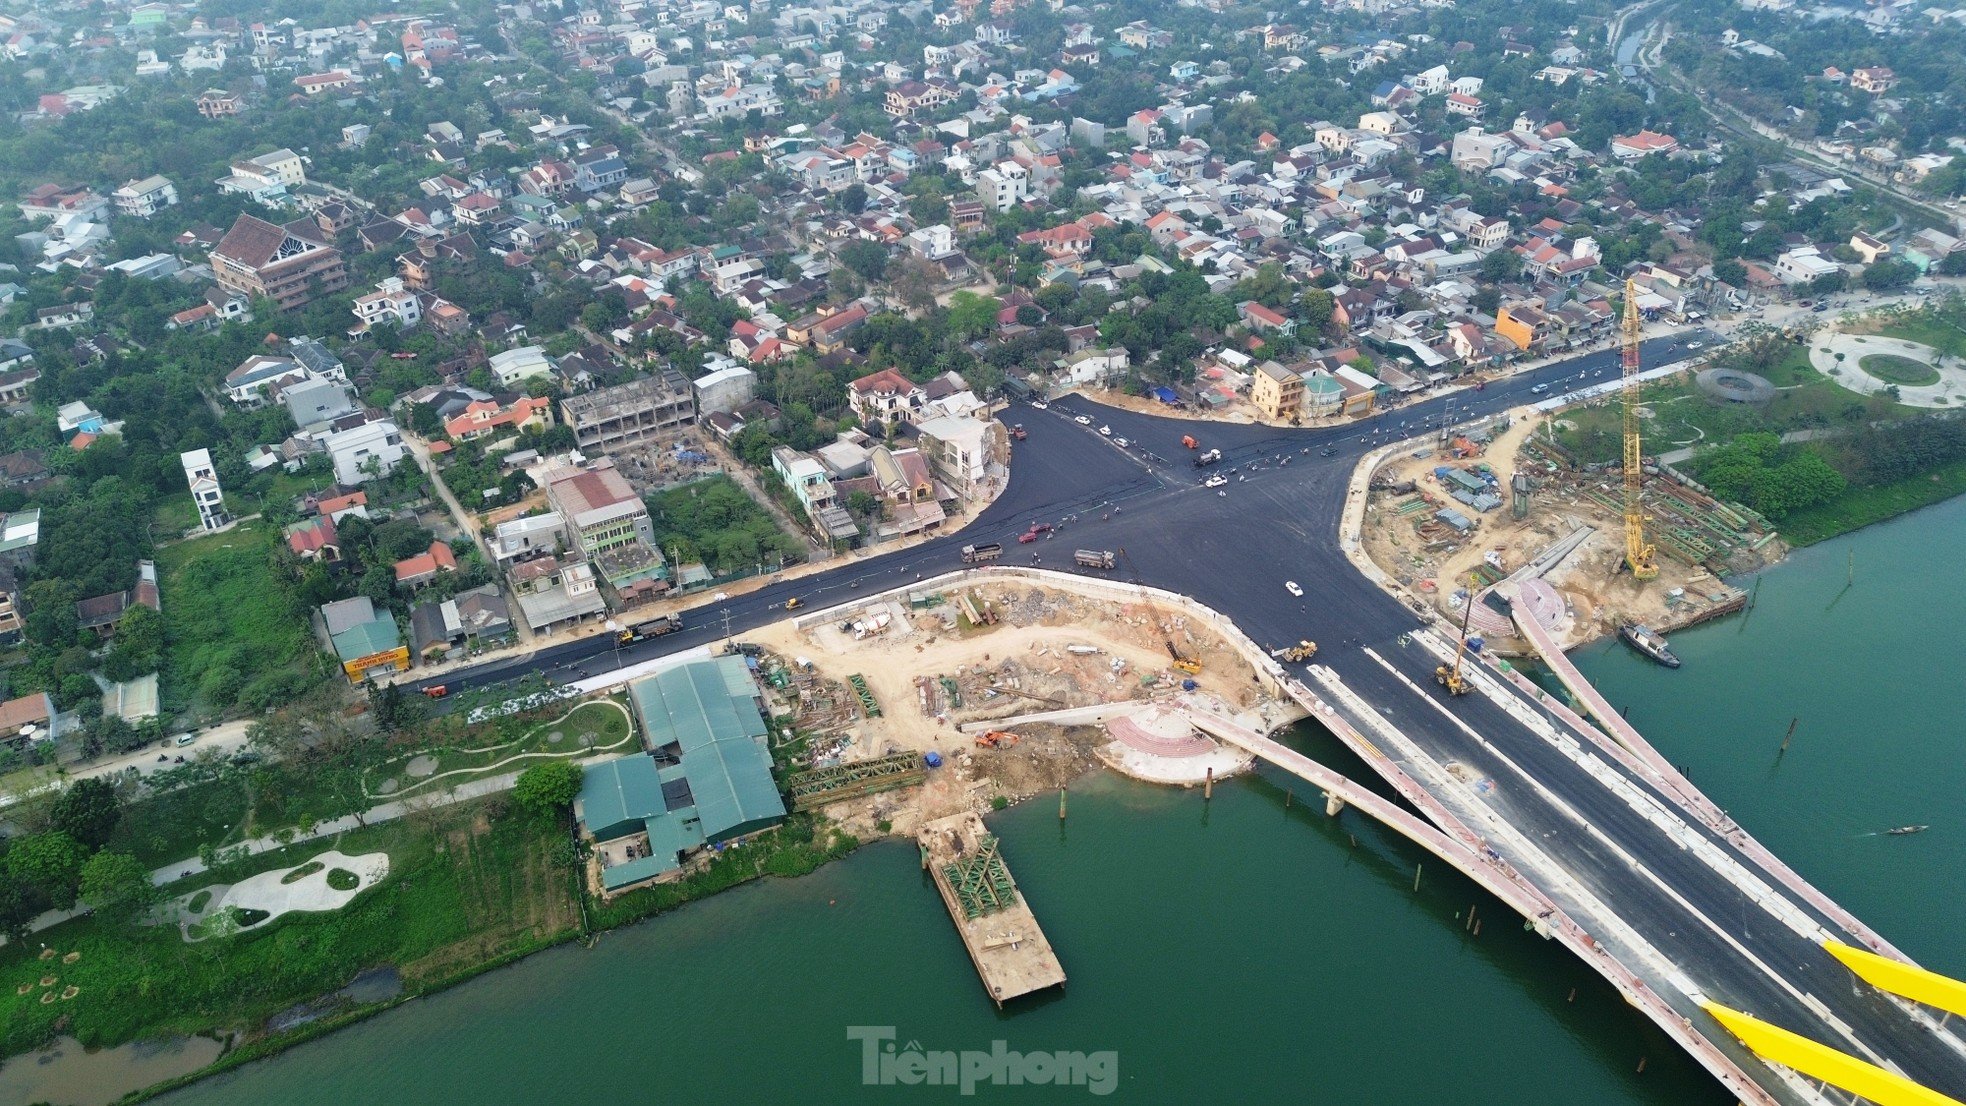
{"points": [[386, 812]]}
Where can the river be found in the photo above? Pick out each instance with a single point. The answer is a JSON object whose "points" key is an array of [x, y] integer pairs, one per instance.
{"points": [[1245, 948]]}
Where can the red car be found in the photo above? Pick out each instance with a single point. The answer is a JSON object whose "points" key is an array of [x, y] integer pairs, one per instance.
{"points": [[1027, 537], [1042, 528]]}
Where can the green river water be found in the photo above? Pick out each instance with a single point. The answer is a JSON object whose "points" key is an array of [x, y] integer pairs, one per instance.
{"points": [[1242, 950]]}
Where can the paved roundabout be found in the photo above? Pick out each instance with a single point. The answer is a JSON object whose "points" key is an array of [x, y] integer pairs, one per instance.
{"points": [[1949, 390]]}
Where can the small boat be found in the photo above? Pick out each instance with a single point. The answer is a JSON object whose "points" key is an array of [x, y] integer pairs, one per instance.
{"points": [[1907, 831], [1651, 644]]}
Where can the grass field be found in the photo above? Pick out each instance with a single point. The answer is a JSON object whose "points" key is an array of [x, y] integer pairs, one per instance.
{"points": [[175, 823], [1681, 416], [463, 889], [234, 633], [606, 721], [1892, 369]]}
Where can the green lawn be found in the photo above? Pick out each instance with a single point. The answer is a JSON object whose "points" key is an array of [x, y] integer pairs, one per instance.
{"points": [[1923, 328], [1681, 416], [1892, 369], [235, 633], [485, 749], [463, 891], [173, 515], [166, 828]]}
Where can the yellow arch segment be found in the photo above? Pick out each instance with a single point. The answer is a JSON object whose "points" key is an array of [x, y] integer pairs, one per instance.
{"points": [[1900, 978], [1817, 1061]]}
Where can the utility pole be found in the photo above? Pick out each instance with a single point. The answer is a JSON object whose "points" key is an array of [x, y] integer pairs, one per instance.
{"points": [[726, 624]]}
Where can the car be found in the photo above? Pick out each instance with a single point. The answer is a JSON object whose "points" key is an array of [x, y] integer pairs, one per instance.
{"points": [[1215, 481], [1042, 528], [1082, 420], [1121, 442], [1328, 451], [1027, 537], [1106, 430], [437, 691], [1040, 405], [1694, 345], [1539, 389], [1291, 587], [184, 739], [1820, 308]]}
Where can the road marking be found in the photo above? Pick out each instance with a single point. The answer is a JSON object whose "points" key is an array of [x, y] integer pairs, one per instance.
{"points": [[1558, 803]]}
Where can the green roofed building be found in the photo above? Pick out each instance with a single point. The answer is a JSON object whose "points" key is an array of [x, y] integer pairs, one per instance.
{"points": [[708, 781]]}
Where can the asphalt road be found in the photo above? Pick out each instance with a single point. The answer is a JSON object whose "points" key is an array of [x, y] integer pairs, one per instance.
{"points": [[1275, 520]]}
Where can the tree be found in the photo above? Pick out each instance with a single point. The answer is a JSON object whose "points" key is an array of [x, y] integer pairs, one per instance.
{"points": [[1501, 265], [868, 259], [853, 198], [1315, 307], [117, 885], [1888, 274], [50, 862], [1730, 272], [1953, 264], [88, 812], [545, 788], [971, 314]]}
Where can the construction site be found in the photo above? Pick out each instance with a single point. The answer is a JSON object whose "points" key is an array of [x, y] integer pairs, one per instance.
{"points": [[877, 692], [1459, 512]]}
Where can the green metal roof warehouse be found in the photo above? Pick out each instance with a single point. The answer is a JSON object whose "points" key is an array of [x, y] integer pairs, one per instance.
{"points": [[705, 714]]}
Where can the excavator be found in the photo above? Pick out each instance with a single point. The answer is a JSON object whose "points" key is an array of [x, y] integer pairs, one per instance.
{"points": [[1291, 654], [1449, 675], [996, 739], [1184, 664]]}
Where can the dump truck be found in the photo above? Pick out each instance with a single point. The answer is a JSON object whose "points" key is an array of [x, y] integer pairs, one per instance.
{"points": [[1188, 440], [1291, 654], [1207, 458], [977, 554], [1093, 558], [653, 628]]}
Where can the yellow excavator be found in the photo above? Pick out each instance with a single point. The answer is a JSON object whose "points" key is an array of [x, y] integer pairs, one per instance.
{"points": [[1291, 654], [1184, 664], [1449, 675]]}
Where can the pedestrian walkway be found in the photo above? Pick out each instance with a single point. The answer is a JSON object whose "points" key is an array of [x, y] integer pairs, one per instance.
{"points": [[386, 812]]}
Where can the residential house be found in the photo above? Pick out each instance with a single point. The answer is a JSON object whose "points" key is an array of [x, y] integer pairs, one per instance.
{"points": [[1277, 392], [289, 265], [481, 418], [474, 619], [364, 450], [206, 495], [102, 613], [414, 572], [554, 593], [970, 455], [315, 539], [143, 198], [606, 521]]}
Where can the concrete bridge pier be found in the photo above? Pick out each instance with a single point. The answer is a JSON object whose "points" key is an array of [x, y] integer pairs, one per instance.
{"points": [[1332, 805]]}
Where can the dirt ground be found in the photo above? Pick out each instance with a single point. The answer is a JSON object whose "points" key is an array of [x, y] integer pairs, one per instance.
{"points": [[1049, 650], [1600, 596]]}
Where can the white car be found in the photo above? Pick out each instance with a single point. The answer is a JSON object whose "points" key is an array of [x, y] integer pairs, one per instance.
{"points": [[1121, 442], [1040, 405], [1106, 430], [1083, 420], [1694, 345], [1291, 587], [1215, 481]]}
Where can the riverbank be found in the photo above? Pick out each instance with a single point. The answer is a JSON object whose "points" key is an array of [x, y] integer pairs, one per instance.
{"points": [[474, 887], [1861, 507]]}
